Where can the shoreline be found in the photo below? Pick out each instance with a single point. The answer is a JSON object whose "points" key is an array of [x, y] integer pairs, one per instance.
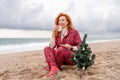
{"points": [[15, 52], [94, 42], [102, 41]]}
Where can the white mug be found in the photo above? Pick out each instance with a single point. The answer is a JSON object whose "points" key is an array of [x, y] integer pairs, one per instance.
{"points": [[59, 28]]}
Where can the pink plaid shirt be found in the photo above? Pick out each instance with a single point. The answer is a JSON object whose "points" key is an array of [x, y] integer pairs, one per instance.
{"points": [[72, 38]]}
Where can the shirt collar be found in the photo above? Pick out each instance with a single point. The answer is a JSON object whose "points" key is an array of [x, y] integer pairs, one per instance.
{"points": [[64, 29]]}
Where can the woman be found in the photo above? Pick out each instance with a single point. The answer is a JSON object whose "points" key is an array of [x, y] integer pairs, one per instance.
{"points": [[65, 40]]}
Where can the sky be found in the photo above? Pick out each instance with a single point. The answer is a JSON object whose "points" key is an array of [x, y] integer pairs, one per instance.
{"points": [[31, 18]]}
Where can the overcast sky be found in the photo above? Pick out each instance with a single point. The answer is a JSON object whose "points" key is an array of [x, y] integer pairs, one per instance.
{"points": [[95, 17]]}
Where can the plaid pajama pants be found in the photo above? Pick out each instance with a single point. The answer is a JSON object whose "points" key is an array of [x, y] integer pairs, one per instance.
{"points": [[58, 57]]}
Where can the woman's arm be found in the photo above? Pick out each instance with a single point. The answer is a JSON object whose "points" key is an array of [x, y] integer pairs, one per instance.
{"points": [[52, 43], [74, 48], [77, 41]]}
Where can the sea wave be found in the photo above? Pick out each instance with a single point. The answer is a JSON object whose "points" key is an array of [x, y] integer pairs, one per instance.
{"points": [[35, 46], [22, 47]]}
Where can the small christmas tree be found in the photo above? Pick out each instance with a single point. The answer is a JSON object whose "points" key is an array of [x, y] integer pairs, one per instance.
{"points": [[83, 57]]}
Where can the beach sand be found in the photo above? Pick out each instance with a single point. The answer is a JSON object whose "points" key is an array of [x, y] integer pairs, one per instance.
{"points": [[30, 65]]}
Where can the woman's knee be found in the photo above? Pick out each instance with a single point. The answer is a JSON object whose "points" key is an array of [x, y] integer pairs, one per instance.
{"points": [[46, 49]]}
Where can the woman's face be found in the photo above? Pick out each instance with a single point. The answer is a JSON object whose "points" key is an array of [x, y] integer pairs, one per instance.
{"points": [[62, 21]]}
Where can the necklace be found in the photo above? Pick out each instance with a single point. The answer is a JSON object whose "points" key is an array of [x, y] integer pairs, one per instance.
{"points": [[63, 34]]}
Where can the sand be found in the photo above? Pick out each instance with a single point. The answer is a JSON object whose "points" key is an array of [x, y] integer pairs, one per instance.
{"points": [[30, 65]]}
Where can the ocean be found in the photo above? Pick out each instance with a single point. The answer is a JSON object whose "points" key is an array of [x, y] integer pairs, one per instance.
{"points": [[10, 45]]}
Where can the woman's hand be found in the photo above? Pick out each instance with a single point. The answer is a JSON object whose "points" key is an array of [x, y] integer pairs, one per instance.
{"points": [[68, 46], [55, 31], [55, 28]]}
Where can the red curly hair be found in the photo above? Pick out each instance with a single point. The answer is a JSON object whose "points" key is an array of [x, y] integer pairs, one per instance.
{"points": [[70, 24]]}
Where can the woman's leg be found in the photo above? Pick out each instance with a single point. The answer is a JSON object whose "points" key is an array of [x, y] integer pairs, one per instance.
{"points": [[51, 60], [63, 55], [55, 58], [49, 56]]}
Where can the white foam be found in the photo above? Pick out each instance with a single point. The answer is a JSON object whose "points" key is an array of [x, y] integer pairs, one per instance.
{"points": [[35, 46], [22, 47], [99, 41]]}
